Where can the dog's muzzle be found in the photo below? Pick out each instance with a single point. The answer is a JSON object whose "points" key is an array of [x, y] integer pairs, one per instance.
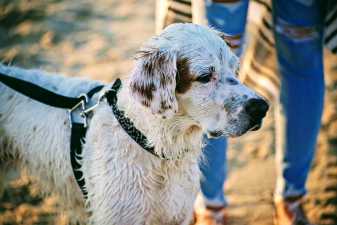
{"points": [[256, 109]]}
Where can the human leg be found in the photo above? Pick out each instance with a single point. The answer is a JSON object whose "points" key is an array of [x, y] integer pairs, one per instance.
{"points": [[300, 58], [229, 17], [219, 15], [213, 167], [298, 35]]}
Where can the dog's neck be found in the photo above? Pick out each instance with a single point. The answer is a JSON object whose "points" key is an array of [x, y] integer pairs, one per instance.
{"points": [[173, 138]]}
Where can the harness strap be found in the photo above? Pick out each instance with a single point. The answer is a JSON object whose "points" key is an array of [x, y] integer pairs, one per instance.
{"points": [[78, 130], [77, 139], [38, 93]]}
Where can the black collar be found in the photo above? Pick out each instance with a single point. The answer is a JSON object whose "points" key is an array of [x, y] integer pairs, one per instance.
{"points": [[126, 123]]}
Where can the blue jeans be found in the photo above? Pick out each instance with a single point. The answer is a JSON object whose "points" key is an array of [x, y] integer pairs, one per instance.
{"points": [[298, 26]]}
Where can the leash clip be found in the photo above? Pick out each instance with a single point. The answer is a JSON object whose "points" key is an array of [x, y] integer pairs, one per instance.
{"points": [[76, 114], [87, 111]]}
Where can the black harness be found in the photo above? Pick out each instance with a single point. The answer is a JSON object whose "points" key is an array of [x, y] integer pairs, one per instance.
{"points": [[78, 112]]}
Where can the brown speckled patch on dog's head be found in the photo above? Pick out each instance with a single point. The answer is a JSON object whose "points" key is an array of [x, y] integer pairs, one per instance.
{"points": [[184, 78], [153, 81], [145, 90]]}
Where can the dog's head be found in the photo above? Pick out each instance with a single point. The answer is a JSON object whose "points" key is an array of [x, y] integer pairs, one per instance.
{"points": [[189, 70]]}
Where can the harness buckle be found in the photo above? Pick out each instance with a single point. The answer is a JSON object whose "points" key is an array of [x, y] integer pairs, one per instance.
{"points": [[86, 111], [76, 114]]}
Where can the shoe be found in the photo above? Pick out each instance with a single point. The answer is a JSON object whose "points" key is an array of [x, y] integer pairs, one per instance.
{"points": [[210, 216], [289, 213]]}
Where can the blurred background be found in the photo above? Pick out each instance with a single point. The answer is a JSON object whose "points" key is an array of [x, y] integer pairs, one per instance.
{"points": [[97, 39]]}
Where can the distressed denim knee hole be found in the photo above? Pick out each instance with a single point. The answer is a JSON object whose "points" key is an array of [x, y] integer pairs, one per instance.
{"points": [[296, 33]]}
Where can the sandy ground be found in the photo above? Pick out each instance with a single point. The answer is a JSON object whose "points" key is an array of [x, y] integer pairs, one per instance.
{"points": [[97, 39]]}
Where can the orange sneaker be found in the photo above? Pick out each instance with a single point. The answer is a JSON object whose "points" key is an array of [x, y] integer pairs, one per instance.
{"points": [[289, 213], [210, 216]]}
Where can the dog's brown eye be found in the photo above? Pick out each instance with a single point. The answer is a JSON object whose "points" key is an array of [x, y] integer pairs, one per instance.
{"points": [[204, 78]]}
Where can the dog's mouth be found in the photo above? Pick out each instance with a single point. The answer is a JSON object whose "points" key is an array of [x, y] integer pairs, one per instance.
{"points": [[255, 127], [215, 134]]}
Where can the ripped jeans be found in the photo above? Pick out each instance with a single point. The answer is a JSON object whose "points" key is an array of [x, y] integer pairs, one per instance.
{"points": [[298, 29]]}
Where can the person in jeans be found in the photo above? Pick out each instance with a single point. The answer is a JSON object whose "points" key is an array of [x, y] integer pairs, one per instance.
{"points": [[298, 31]]}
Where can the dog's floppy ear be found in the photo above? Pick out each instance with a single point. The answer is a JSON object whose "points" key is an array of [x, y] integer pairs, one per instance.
{"points": [[153, 81]]}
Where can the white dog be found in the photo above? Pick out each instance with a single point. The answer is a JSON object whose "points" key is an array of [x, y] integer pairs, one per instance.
{"points": [[183, 85]]}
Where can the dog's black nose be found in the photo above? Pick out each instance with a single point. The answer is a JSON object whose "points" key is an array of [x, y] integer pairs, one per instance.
{"points": [[256, 108]]}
